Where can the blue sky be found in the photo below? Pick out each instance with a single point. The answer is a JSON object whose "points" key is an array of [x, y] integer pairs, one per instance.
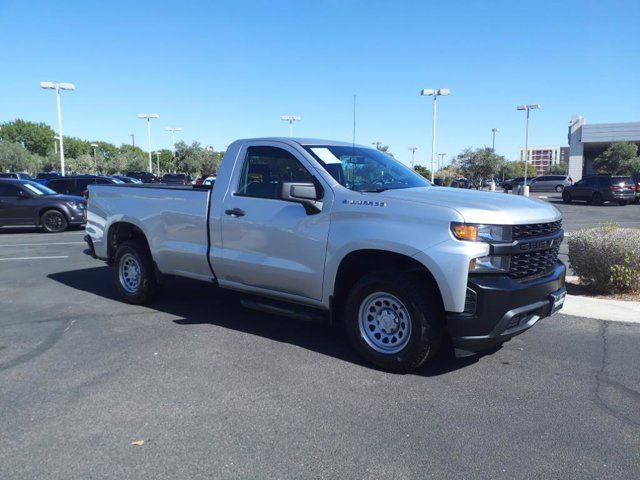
{"points": [[229, 69]]}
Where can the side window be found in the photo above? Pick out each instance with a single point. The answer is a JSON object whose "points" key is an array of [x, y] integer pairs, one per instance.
{"points": [[7, 190], [266, 168], [101, 181]]}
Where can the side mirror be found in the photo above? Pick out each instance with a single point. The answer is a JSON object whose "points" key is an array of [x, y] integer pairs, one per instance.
{"points": [[303, 193], [22, 195]]}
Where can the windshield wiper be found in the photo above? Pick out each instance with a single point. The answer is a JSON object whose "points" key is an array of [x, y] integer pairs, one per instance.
{"points": [[374, 190]]}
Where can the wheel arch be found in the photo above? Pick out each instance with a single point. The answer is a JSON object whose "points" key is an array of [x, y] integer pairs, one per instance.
{"points": [[358, 263], [42, 210], [121, 231]]}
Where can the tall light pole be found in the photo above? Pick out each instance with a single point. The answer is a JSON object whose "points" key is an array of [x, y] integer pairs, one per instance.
{"points": [[158, 161], [441, 160], [173, 131], [148, 117], [528, 108], [133, 140], [290, 119], [413, 155], [435, 93], [57, 87], [493, 141], [95, 157]]}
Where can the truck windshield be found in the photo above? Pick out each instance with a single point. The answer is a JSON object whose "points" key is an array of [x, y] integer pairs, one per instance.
{"points": [[365, 169]]}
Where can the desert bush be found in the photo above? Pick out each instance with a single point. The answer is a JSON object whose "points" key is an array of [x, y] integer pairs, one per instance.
{"points": [[607, 258]]}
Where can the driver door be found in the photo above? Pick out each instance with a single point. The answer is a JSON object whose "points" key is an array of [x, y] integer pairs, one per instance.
{"points": [[267, 242], [15, 205]]}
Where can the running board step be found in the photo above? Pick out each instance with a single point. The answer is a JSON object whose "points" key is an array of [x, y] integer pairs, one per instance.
{"points": [[285, 310]]}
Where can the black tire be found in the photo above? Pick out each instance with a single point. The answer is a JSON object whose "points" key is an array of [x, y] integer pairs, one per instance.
{"points": [[421, 302], [137, 257], [54, 221], [636, 200], [559, 188], [566, 197], [622, 203], [597, 199]]}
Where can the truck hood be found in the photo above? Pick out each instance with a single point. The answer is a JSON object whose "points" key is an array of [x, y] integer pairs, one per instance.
{"points": [[478, 206]]}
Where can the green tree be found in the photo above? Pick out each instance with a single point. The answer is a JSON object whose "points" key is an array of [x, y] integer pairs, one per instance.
{"points": [[35, 137], [422, 170], [479, 163], [15, 158], [75, 147], [559, 169], [617, 158], [383, 148], [516, 169], [83, 164], [193, 159]]}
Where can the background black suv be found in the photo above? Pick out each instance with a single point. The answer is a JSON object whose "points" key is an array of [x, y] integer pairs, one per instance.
{"points": [[76, 185], [144, 177], [597, 189], [23, 202]]}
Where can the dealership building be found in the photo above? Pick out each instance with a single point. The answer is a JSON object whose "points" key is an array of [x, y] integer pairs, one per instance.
{"points": [[587, 141]]}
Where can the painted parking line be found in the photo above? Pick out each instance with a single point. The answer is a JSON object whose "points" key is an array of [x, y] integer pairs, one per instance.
{"points": [[36, 234], [32, 258], [41, 243]]}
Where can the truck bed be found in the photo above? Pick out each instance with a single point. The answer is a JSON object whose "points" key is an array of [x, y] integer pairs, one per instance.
{"points": [[173, 218]]}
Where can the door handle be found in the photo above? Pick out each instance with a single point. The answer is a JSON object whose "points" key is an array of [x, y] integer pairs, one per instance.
{"points": [[235, 212]]}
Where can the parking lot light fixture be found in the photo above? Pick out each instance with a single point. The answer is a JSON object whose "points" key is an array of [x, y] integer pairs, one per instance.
{"points": [[528, 108], [173, 131], [148, 117], [413, 155], [493, 141], [57, 87], [290, 119], [95, 157], [435, 93]]}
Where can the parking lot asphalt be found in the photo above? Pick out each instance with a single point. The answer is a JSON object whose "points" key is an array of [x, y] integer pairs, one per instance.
{"points": [[217, 391]]}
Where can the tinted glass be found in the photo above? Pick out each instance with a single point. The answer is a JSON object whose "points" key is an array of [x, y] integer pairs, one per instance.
{"points": [[7, 190], [264, 170], [8, 175], [60, 186], [622, 181]]}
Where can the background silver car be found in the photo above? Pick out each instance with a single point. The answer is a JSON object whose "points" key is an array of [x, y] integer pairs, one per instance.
{"points": [[550, 182]]}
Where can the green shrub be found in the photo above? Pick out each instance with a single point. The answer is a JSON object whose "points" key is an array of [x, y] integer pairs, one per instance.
{"points": [[607, 258]]}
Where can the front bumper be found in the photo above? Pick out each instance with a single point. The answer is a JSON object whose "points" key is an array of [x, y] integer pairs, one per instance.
{"points": [[499, 308]]}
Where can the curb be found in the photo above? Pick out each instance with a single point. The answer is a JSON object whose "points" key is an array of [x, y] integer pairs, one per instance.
{"points": [[602, 309]]}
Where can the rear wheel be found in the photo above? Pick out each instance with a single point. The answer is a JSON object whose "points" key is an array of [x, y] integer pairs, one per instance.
{"points": [[566, 197], [394, 321], [597, 199], [134, 273], [54, 221], [622, 203], [559, 188]]}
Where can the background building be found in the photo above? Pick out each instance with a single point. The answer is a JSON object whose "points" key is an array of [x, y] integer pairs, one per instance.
{"points": [[543, 157], [586, 142]]}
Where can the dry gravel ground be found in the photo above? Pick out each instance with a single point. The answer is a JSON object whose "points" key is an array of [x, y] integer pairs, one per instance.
{"points": [[216, 391]]}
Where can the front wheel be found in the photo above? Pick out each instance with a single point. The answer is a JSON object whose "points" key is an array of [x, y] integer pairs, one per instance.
{"points": [[622, 203], [566, 197], [54, 221], [394, 321], [134, 273]]}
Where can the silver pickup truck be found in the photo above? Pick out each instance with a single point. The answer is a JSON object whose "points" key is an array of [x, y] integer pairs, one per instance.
{"points": [[319, 228]]}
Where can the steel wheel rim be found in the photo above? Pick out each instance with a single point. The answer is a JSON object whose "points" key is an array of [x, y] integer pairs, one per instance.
{"points": [[130, 273], [53, 221], [384, 323]]}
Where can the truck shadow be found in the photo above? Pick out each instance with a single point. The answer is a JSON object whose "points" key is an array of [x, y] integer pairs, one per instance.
{"points": [[199, 303]]}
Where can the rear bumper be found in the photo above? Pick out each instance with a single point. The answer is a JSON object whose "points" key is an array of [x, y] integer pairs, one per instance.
{"points": [[499, 308]]}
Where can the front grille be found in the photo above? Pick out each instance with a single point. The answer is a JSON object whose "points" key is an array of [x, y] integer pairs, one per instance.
{"points": [[533, 263], [535, 230]]}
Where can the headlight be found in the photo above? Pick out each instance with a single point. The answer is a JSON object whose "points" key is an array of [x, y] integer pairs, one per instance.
{"points": [[481, 233], [490, 264], [77, 205]]}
